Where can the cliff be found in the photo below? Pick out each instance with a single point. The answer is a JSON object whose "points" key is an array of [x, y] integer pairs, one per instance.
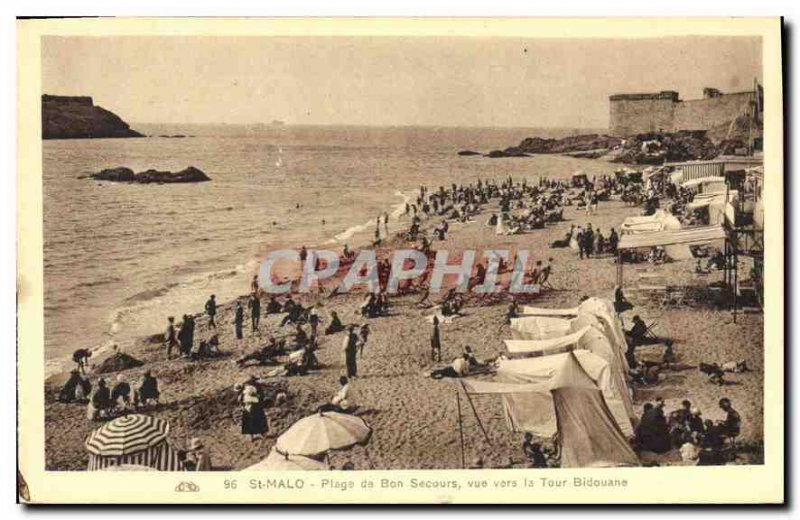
{"points": [[77, 117]]}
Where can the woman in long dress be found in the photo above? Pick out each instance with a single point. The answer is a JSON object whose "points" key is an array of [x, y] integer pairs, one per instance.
{"points": [[254, 418]]}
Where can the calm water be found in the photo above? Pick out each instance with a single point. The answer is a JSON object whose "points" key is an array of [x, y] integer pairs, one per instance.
{"points": [[119, 258]]}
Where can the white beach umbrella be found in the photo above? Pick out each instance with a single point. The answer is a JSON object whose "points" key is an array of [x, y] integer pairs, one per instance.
{"points": [[276, 461], [317, 434]]}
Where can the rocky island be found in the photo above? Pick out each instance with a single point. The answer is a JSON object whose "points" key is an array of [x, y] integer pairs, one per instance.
{"points": [[77, 117], [122, 174]]}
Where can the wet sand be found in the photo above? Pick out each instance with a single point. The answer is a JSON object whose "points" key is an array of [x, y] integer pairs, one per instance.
{"points": [[414, 417]]}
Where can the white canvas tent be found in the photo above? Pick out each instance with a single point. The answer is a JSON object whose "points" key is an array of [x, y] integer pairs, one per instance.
{"points": [[543, 369], [658, 221], [564, 397], [538, 327]]}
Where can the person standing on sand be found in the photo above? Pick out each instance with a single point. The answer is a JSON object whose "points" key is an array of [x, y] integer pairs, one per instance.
{"points": [[254, 284], [350, 347], [254, 304], [386, 222], [183, 336], [238, 320], [362, 340], [436, 344], [81, 357], [211, 310], [170, 339]]}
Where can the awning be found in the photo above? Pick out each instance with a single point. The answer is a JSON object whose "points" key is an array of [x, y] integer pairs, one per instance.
{"points": [[692, 235]]}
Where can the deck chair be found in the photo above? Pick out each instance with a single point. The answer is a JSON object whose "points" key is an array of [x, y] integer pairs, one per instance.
{"points": [[675, 298], [544, 279]]}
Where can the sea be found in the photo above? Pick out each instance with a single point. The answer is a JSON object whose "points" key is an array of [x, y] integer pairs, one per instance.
{"points": [[120, 258]]}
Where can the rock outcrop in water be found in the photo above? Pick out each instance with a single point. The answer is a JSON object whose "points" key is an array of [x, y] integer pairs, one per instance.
{"points": [[77, 117], [122, 174]]}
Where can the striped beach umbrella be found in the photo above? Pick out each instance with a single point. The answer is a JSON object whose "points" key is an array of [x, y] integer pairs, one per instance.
{"points": [[321, 432], [127, 434]]}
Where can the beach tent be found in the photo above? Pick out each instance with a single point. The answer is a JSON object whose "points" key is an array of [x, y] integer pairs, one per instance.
{"points": [[543, 369], [569, 401], [598, 312], [132, 439], [536, 327], [535, 347]]}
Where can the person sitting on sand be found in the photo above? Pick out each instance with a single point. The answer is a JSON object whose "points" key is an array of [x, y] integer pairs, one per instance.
{"points": [[335, 325], [342, 400], [121, 392], [652, 433], [512, 312], [197, 458], [458, 368], [732, 424], [621, 304], [295, 313], [75, 389], [207, 348], [533, 452], [148, 391], [273, 306], [81, 357], [101, 400], [262, 356]]}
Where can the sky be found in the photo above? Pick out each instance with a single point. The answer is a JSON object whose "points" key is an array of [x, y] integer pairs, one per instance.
{"points": [[452, 81]]}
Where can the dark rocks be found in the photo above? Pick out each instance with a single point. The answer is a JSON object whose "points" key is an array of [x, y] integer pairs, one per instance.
{"points": [[468, 153], [76, 117], [508, 152], [190, 174], [117, 362], [115, 174], [659, 147]]}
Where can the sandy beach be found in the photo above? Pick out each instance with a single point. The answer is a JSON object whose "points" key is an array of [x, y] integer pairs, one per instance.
{"points": [[414, 417]]}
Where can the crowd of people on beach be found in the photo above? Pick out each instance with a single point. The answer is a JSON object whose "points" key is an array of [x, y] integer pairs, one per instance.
{"points": [[522, 207]]}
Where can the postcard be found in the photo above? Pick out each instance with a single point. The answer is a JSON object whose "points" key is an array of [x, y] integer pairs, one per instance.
{"points": [[412, 261]]}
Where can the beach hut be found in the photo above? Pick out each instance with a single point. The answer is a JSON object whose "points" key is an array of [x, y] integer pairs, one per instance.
{"points": [[133, 439], [538, 327]]}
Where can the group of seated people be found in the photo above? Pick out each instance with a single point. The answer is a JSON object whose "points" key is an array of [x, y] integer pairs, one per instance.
{"points": [[106, 403], [699, 441], [375, 305]]}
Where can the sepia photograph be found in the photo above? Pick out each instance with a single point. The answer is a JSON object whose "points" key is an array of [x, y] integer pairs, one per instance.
{"points": [[270, 252]]}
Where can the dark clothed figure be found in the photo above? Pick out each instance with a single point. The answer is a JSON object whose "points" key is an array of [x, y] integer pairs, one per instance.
{"points": [[149, 389], [273, 307], [238, 320], [211, 310], [335, 325], [350, 351], [436, 344], [101, 400], [254, 304], [533, 452], [121, 390], [81, 357]]}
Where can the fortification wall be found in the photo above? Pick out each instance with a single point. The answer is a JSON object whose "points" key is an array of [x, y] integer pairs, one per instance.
{"points": [[640, 113], [703, 114], [637, 116]]}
